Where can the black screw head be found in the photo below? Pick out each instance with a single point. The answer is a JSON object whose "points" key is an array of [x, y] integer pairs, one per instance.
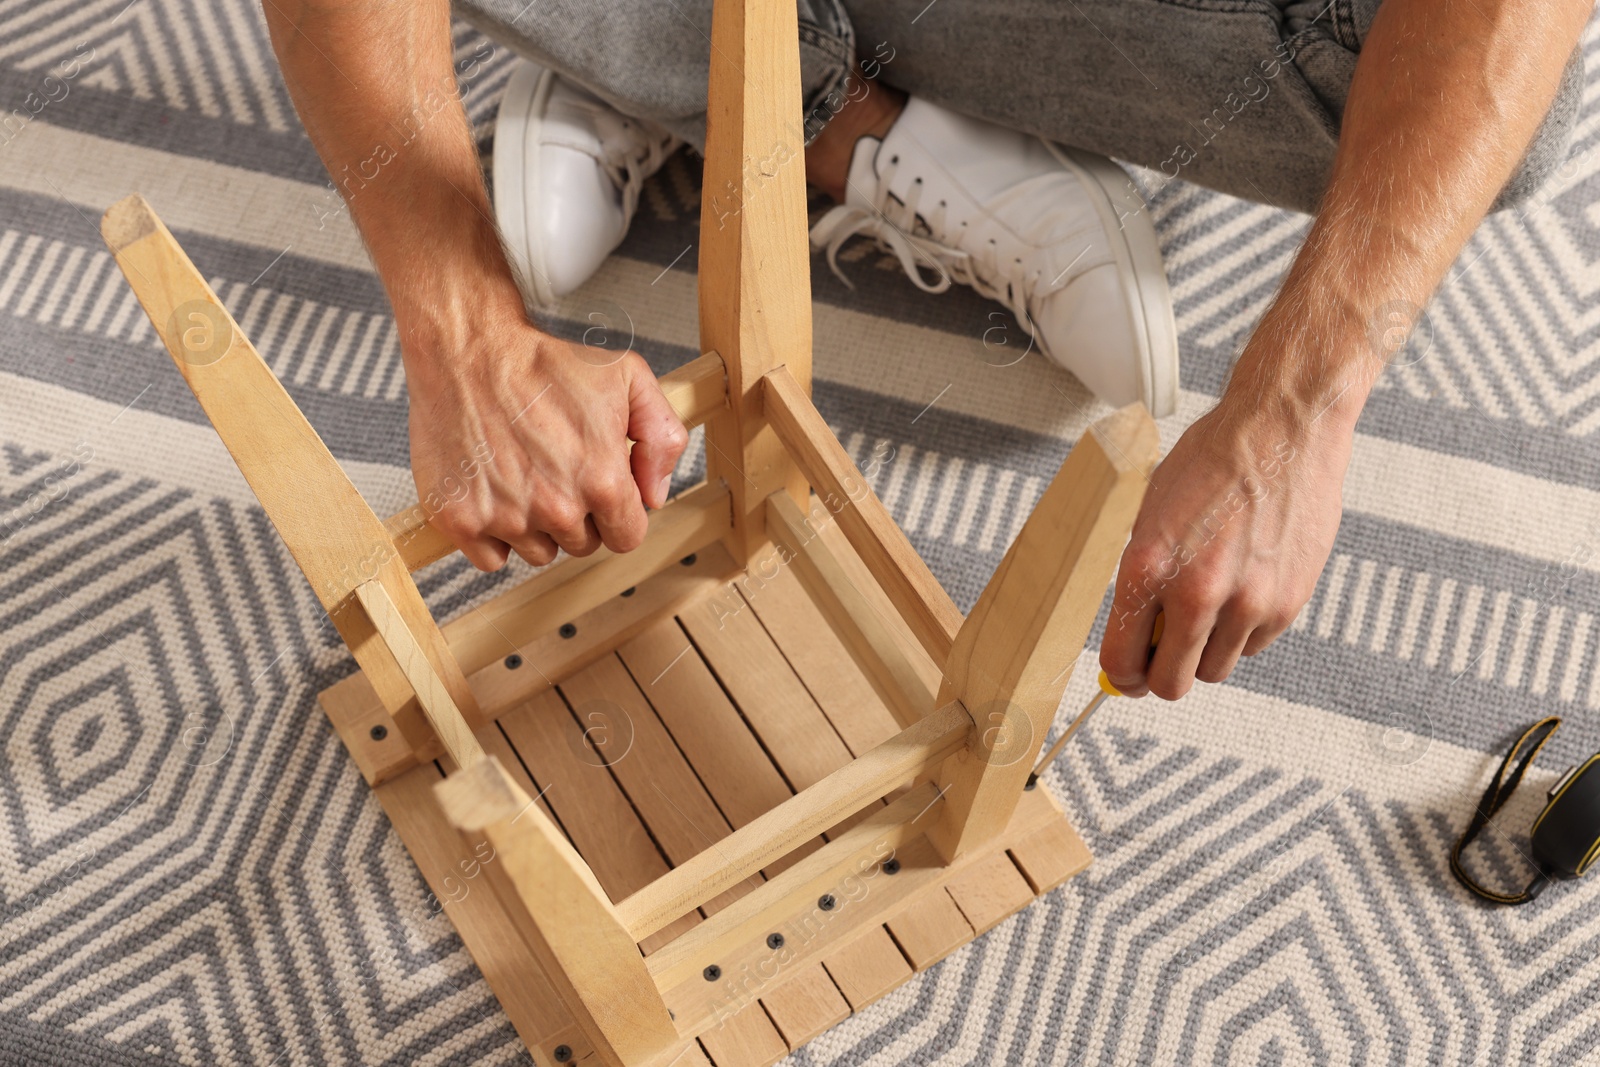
{"points": [[513, 661], [774, 940], [826, 902], [688, 561], [712, 973], [568, 630], [562, 1053], [630, 590], [379, 732], [891, 866]]}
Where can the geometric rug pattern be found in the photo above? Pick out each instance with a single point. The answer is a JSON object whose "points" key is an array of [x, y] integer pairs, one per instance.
{"points": [[193, 872]]}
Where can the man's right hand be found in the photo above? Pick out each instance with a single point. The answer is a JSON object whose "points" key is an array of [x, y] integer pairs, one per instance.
{"points": [[1234, 530], [519, 443]]}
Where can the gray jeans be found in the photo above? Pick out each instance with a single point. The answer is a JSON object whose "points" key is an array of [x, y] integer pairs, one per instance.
{"points": [[1244, 96]]}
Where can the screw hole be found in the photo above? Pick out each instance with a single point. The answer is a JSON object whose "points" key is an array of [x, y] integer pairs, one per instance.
{"points": [[630, 590], [513, 661], [379, 732], [568, 630], [688, 561]]}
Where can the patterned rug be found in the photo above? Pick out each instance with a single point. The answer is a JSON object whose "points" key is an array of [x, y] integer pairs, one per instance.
{"points": [[192, 871]]}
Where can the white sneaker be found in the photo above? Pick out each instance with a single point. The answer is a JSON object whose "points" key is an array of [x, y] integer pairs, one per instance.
{"points": [[1030, 224], [568, 168]]}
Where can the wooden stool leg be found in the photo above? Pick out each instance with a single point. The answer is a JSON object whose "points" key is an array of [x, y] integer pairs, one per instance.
{"points": [[755, 267], [1013, 655], [332, 534], [565, 915]]}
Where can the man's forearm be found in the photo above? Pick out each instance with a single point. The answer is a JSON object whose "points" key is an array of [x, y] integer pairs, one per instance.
{"points": [[374, 84], [1446, 97], [1241, 516]]}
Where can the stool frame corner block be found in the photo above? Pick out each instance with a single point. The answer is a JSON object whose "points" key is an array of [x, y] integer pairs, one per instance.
{"points": [[699, 802]]}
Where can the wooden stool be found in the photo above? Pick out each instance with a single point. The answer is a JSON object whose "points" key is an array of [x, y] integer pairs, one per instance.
{"points": [[699, 802]]}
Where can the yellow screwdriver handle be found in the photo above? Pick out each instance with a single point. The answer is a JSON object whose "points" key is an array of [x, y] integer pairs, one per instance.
{"points": [[1155, 638]]}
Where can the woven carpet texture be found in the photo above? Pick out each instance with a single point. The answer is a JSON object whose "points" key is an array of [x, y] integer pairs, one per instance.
{"points": [[193, 872]]}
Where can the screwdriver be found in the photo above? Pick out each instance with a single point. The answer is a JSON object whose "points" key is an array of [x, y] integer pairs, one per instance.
{"points": [[1106, 690]]}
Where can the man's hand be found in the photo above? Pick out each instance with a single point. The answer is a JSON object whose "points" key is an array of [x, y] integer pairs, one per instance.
{"points": [[520, 444], [1236, 525], [1240, 518], [519, 441]]}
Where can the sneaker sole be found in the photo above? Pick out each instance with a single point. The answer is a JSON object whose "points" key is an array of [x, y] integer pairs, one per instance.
{"points": [[516, 186], [1144, 276]]}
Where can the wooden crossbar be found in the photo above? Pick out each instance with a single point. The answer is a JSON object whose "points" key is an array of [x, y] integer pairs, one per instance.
{"points": [[524, 614], [916, 593], [697, 390], [800, 818], [748, 918], [851, 869], [567, 589], [608, 621]]}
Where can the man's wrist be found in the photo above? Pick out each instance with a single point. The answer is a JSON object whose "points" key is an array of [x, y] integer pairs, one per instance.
{"points": [[450, 332], [453, 294], [429, 227], [1302, 398], [1313, 360], [453, 281]]}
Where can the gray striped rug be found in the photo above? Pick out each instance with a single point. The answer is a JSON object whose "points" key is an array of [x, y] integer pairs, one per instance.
{"points": [[191, 870]]}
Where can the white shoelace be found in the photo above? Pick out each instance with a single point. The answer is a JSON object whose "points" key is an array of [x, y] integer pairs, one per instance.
{"points": [[631, 150], [891, 223]]}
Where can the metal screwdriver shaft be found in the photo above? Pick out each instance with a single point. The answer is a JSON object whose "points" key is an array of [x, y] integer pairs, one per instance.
{"points": [[1106, 690]]}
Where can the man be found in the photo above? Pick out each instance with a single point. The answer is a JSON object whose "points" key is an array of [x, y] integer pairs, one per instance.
{"points": [[1399, 125]]}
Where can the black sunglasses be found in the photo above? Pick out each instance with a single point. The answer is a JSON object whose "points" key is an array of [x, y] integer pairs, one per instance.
{"points": [[1565, 838]]}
